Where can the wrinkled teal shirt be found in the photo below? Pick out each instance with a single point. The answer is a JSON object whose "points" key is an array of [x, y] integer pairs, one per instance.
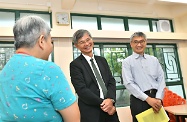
{"points": [[32, 90]]}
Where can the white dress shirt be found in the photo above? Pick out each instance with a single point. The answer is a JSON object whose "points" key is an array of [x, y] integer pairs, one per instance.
{"points": [[142, 73], [89, 62]]}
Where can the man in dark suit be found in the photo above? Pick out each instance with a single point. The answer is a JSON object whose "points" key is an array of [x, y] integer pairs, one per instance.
{"points": [[96, 96]]}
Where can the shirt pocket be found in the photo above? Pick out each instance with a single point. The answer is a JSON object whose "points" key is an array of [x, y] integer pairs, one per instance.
{"points": [[152, 72]]}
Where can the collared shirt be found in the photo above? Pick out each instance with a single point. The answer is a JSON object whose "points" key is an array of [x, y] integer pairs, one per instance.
{"points": [[89, 62], [142, 73]]}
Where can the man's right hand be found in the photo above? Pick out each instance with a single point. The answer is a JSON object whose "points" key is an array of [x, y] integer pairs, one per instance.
{"points": [[112, 111], [156, 104]]}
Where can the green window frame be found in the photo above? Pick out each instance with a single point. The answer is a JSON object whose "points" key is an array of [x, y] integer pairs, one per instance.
{"points": [[125, 19], [18, 12]]}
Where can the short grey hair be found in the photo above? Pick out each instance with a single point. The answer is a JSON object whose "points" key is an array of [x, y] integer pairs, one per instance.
{"points": [[28, 29], [138, 34], [79, 34]]}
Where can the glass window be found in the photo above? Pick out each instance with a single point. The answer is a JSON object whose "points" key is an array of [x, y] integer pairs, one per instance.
{"points": [[167, 57], [112, 24], [97, 50], [154, 23], [81, 22], [76, 52], [114, 55], [149, 50], [6, 52], [51, 57], [122, 98], [138, 25], [7, 19], [117, 23], [46, 17], [177, 89]]}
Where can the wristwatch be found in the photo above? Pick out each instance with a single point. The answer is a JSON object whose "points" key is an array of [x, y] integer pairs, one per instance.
{"points": [[113, 101]]}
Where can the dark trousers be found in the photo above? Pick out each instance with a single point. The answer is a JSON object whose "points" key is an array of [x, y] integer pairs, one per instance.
{"points": [[137, 106], [104, 117]]}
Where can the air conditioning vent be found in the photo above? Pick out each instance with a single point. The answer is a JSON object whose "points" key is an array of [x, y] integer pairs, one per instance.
{"points": [[163, 26]]}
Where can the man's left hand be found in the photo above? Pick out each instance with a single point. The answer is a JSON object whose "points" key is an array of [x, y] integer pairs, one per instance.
{"points": [[107, 105]]}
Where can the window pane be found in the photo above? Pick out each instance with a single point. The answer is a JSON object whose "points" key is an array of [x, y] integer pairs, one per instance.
{"points": [[97, 50], [154, 23], [50, 57], [80, 22], [122, 98], [112, 24], [167, 58], [6, 52], [177, 89], [76, 52], [149, 50], [7, 19], [114, 55], [138, 25], [46, 17]]}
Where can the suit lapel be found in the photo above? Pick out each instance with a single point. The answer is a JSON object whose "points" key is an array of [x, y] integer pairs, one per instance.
{"points": [[88, 68]]}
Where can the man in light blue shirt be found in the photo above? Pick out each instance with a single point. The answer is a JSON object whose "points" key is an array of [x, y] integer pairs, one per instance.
{"points": [[143, 77]]}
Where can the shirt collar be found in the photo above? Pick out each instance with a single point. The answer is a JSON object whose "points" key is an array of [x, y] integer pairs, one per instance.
{"points": [[135, 55], [88, 57]]}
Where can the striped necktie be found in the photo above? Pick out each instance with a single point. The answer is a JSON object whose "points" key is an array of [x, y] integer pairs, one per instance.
{"points": [[99, 78]]}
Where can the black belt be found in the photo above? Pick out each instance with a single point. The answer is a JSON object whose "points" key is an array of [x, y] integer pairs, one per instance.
{"points": [[151, 91]]}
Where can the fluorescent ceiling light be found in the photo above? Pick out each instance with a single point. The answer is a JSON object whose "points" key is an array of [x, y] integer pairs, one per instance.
{"points": [[175, 1]]}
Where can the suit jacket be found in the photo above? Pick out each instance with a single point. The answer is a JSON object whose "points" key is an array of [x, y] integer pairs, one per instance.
{"points": [[87, 88]]}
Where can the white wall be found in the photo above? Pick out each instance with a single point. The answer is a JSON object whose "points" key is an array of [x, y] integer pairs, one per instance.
{"points": [[124, 114]]}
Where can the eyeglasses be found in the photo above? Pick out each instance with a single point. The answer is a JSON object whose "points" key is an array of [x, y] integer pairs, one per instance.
{"points": [[82, 42], [139, 42]]}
